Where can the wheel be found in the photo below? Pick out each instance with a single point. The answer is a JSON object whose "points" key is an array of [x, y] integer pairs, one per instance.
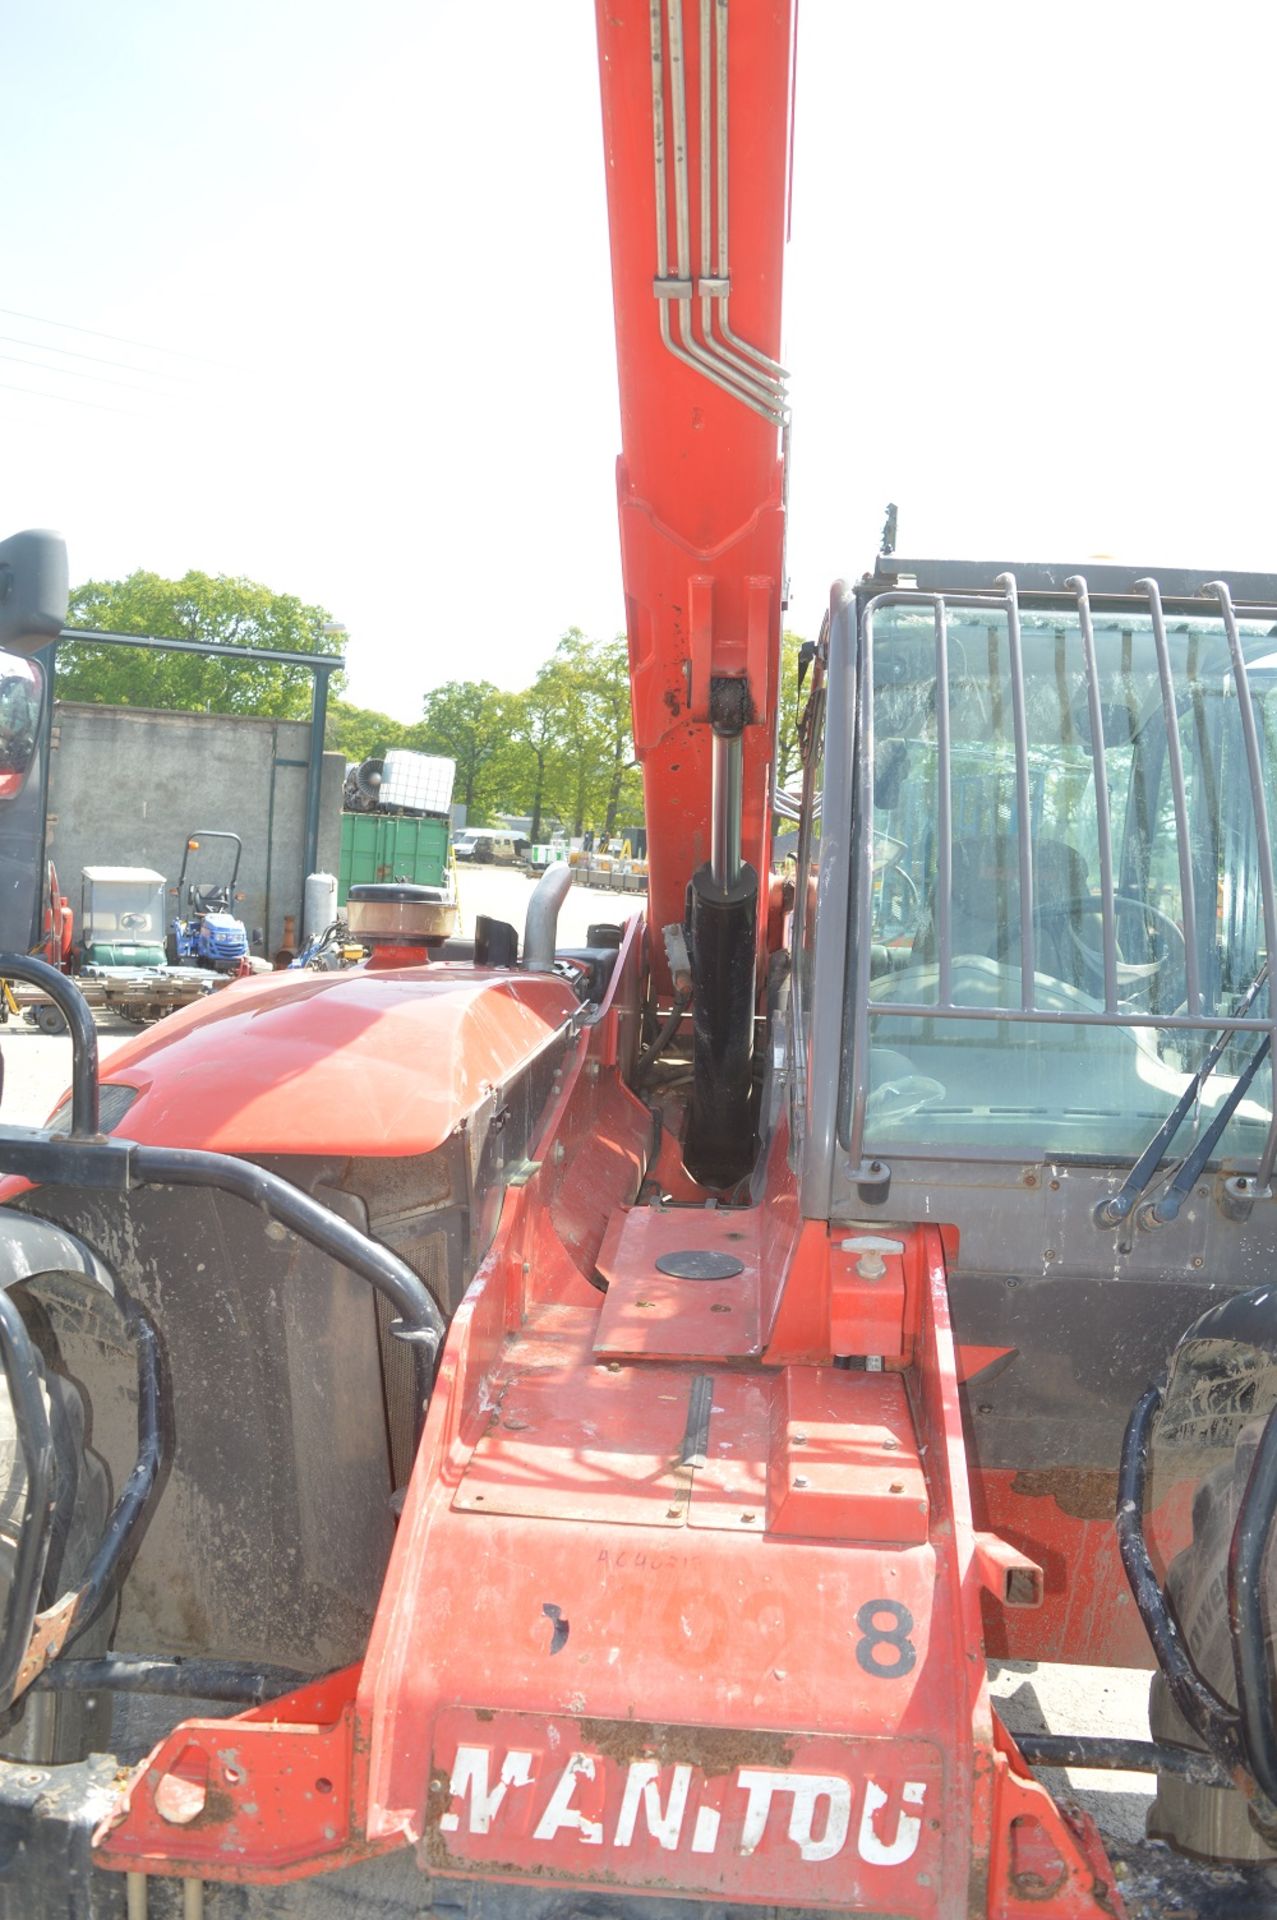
{"points": [[53, 1727], [1220, 1394], [1206, 1822], [49, 1019]]}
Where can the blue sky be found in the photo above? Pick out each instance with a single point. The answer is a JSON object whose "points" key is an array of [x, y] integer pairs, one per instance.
{"points": [[1029, 297]]}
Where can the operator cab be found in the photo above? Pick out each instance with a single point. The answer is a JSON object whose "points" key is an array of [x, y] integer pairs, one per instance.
{"points": [[1059, 846]]}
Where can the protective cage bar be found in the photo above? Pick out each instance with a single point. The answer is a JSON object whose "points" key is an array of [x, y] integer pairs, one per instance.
{"points": [[1146, 602]]}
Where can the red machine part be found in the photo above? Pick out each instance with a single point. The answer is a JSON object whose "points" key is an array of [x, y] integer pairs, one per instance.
{"points": [[687, 1592], [57, 925], [703, 1622], [352, 1062], [700, 480]]}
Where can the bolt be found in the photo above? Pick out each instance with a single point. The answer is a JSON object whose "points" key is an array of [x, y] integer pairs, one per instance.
{"points": [[896, 1486], [1049, 1254], [984, 1407], [1198, 1261], [527, 1267], [672, 1513], [747, 1519], [558, 1153], [891, 1446], [779, 1673], [801, 1480], [1029, 1178], [800, 1439], [1055, 1186]]}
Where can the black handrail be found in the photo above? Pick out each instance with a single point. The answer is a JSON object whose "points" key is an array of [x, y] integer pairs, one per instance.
{"points": [[420, 1322], [154, 1446], [25, 1638], [1248, 1551], [196, 1678], [35, 1443], [1213, 1719], [74, 1008]]}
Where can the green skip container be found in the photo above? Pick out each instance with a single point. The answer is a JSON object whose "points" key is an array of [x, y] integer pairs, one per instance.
{"points": [[388, 846]]}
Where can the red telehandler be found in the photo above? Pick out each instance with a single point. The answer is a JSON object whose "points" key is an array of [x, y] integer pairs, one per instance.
{"points": [[562, 1431]]}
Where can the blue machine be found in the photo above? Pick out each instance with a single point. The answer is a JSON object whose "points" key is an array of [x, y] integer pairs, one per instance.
{"points": [[205, 932]]}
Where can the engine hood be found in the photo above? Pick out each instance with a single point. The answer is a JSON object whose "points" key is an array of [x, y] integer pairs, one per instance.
{"points": [[381, 1063]]}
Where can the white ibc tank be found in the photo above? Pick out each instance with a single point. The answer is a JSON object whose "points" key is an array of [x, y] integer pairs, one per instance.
{"points": [[320, 907]]}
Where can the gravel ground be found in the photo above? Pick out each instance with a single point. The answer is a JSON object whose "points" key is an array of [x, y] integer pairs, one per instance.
{"points": [[1095, 1700]]}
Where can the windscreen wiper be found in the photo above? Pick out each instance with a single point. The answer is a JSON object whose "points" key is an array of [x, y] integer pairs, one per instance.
{"points": [[1160, 1212], [1113, 1211]]}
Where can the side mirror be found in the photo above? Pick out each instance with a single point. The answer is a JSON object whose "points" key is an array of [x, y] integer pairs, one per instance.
{"points": [[34, 589]]}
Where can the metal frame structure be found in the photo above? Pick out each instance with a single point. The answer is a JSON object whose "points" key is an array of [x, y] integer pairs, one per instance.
{"points": [[321, 667], [846, 886]]}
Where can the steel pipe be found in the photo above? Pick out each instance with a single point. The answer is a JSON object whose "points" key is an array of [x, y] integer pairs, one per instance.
{"points": [[74, 1008], [541, 926]]}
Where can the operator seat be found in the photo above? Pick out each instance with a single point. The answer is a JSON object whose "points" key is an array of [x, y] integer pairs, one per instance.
{"points": [[985, 908]]}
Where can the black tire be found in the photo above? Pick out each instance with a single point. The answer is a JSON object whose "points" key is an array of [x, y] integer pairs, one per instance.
{"points": [[171, 953], [49, 1728], [1219, 1400]]}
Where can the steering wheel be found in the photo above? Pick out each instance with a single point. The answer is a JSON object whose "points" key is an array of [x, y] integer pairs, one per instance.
{"points": [[131, 922], [1132, 974]]}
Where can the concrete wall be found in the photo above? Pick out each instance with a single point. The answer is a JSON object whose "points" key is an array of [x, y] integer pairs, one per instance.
{"points": [[127, 785]]}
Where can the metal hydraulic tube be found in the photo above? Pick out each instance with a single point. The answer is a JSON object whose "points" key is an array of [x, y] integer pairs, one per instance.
{"points": [[722, 916], [726, 809]]}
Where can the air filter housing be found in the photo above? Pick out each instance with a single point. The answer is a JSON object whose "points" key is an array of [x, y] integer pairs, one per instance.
{"points": [[391, 913]]}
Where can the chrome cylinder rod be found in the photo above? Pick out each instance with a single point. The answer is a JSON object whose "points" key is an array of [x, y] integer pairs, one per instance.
{"points": [[726, 810]]}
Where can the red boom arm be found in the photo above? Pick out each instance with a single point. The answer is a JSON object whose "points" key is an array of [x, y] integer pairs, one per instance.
{"points": [[696, 121]]}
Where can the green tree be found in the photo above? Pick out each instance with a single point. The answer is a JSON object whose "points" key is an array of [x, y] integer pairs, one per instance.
{"points": [[361, 732], [790, 706], [586, 687], [535, 729], [470, 721], [200, 606]]}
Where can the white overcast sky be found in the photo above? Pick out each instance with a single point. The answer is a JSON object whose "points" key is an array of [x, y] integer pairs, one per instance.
{"points": [[1030, 296]]}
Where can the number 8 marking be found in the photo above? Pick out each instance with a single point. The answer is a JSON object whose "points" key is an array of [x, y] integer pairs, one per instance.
{"points": [[896, 1637]]}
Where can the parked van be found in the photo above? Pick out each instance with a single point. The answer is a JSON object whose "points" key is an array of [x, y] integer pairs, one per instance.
{"points": [[490, 847]]}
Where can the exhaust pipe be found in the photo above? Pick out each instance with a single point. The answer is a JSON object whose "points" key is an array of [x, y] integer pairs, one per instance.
{"points": [[541, 926]]}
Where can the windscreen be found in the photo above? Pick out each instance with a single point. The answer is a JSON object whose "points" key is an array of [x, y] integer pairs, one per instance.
{"points": [[133, 909], [1125, 775]]}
